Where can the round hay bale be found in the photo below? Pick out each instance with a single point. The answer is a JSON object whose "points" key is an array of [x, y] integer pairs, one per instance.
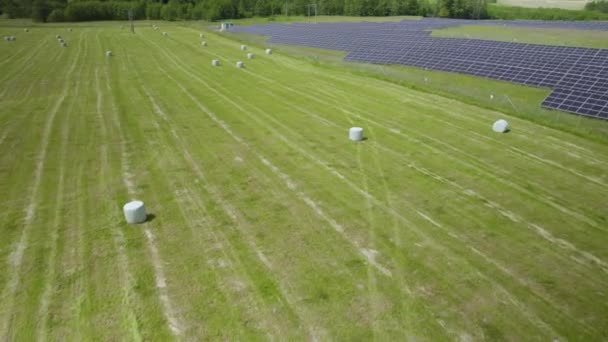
{"points": [[500, 126], [269, 51], [215, 62], [7, 38], [355, 133], [240, 64], [64, 44], [203, 43], [61, 41], [250, 55], [57, 37], [26, 30], [243, 47], [13, 38], [69, 30], [165, 34], [201, 35], [135, 212], [108, 53]]}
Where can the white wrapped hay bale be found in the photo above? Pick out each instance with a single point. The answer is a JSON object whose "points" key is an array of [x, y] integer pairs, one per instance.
{"points": [[250, 55], [61, 41], [201, 35], [203, 43], [108, 53], [355, 133], [240, 64], [57, 37], [165, 34], [243, 47], [500, 126], [215, 62], [269, 51], [69, 30], [135, 212], [26, 30], [64, 44]]}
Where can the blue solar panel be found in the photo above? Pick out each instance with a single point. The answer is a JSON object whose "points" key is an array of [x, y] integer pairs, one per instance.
{"points": [[578, 76]]}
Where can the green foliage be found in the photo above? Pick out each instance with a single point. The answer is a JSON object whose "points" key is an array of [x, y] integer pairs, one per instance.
{"points": [[171, 11], [464, 9], [40, 10], [56, 15], [511, 13], [153, 11], [17, 8], [103, 10], [261, 9], [597, 5]]}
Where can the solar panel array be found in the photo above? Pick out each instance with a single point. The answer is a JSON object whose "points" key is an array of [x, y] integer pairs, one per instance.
{"points": [[578, 76]]}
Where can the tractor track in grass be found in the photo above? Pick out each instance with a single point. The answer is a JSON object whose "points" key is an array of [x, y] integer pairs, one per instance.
{"points": [[22, 67], [230, 254], [275, 169], [315, 332], [449, 111], [545, 199], [17, 53], [60, 205], [289, 183], [161, 285], [118, 238], [174, 323], [539, 323], [17, 254], [370, 254], [9, 127], [503, 212]]}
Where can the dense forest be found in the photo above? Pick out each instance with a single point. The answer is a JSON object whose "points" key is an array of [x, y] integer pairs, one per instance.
{"points": [[84, 10]]}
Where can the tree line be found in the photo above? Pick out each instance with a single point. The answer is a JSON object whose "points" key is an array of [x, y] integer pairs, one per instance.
{"points": [[87, 10]]}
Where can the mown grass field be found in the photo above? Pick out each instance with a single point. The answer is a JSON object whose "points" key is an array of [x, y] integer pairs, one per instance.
{"points": [[565, 4], [268, 223]]}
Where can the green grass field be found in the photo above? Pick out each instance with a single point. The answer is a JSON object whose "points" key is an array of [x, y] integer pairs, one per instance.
{"points": [[564, 4], [545, 36], [268, 223]]}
